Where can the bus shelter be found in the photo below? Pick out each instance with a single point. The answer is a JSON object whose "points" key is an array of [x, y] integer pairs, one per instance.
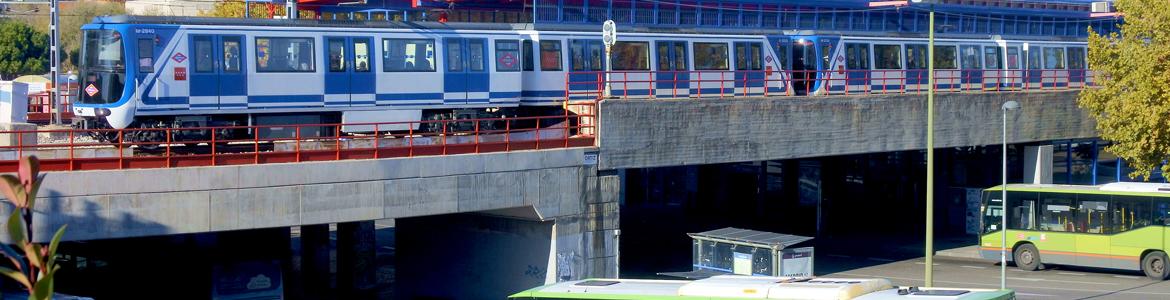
{"points": [[748, 252]]}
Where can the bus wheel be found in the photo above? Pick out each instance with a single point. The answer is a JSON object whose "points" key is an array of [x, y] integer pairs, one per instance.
{"points": [[1155, 265], [1027, 257]]}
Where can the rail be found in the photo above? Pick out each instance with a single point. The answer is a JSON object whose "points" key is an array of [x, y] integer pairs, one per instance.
{"points": [[264, 144], [767, 83]]}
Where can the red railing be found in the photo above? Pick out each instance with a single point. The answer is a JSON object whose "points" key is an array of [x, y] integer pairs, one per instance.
{"points": [[73, 150], [723, 84]]}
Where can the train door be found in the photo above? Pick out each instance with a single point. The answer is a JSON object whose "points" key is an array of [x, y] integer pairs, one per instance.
{"points": [[1034, 67], [749, 67], [858, 76], [587, 67], [348, 80], [993, 67], [673, 77], [466, 79], [218, 79], [971, 75], [1013, 77], [804, 66], [1076, 67], [145, 50]]}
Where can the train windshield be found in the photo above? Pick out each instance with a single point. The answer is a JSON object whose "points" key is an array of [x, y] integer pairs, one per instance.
{"points": [[103, 67]]}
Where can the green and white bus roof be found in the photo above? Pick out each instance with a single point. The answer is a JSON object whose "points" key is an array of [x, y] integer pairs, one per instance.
{"points": [[1117, 188], [751, 287]]}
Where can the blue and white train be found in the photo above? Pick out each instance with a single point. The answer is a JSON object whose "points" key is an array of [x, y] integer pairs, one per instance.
{"points": [[154, 72]]}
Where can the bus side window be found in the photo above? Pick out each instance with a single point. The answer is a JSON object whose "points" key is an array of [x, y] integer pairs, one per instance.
{"points": [[1130, 212], [1023, 210], [1162, 212], [1056, 214], [1091, 213]]}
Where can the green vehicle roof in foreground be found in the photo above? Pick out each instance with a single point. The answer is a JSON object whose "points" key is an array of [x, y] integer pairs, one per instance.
{"points": [[750, 287], [1123, 188]]}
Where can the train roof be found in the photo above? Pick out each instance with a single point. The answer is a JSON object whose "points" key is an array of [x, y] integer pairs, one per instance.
{"points": [[212, 21]]}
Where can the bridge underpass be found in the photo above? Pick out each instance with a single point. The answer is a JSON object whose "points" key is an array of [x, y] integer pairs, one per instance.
{"points": [[847, 170]]}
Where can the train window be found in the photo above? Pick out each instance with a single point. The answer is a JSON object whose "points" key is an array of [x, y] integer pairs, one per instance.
{"points": [[204, 59], [361, 55], [971, 57], [710, 56], [231, 54], [145, 55], [992, 58], [1054, 58], [945, 58], [408, 55], [630, 56], [454, 56], [1013, 58], [748, 56], [586, 55], [550, 55], [857, 56], [1035, 60], [916, 57], [887, 57], [475, 49], [280, 54], [526, 52], [336, 54], [1076, 58], [507, 56]]}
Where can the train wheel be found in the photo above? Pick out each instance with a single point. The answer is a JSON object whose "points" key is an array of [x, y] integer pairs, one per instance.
{"points": [[1155, 265], [1027, 257]]}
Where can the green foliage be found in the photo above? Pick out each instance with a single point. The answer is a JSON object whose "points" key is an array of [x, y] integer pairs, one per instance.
{"points": [[35, 264], [73, 15], [24, 50], [1132, 105]]}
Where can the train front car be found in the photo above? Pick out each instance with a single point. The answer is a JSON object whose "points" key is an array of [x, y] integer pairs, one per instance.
{"points": [[107, 87]]}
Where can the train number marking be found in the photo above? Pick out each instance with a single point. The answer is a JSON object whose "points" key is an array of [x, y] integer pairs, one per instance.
{"points": [[179, 57]]}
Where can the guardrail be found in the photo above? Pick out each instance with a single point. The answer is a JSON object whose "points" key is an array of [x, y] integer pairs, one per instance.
{"points": [[41, 109], [725, 84], [73, 150]]}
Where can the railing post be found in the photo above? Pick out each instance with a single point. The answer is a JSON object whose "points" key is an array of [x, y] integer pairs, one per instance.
{"points": [[410, 140], [169, 141], [444, 136], [297, 142], [121, 147], [537, 134], [337, 142], [507, 135], [698, 84], [19, 144], [377, 141], [476, 138], [722, 77], [213, 151], [71, 146], [256, 143]]}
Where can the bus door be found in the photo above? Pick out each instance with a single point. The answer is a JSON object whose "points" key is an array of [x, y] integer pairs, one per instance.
{"points": [[673, 76], [348, 80], [217, 77], [749, 68], [1094, 230], [466, 79], [587, 69]]}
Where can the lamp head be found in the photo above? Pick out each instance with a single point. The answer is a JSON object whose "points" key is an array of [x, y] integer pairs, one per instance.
{"points": [[1010, 105]]}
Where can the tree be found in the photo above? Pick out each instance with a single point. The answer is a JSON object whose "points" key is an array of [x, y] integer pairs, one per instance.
{"points": [[24, 51], [1132, 103], [35, 268], [235, 9], [73, 15]]}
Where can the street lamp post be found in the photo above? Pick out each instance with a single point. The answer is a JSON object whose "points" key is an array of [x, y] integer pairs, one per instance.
{"points": [[929, 149], [1010, 105]]}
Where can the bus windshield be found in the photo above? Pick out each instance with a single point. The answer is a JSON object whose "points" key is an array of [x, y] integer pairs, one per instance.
{"points": [[102, 67], [992, 212]]}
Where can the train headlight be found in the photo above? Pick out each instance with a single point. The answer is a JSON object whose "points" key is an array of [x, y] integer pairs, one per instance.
{"points": [[101, 112]]}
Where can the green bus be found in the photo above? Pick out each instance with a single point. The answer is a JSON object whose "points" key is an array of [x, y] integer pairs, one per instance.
{"points": [[1116, 225], [750, 287]]}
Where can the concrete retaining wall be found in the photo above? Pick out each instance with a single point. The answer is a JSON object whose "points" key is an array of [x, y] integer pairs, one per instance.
{"points": [[133, 203], [652, 133]]}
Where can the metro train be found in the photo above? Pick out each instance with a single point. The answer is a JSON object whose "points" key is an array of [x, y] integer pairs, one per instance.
{"points": [[165, 72]]}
